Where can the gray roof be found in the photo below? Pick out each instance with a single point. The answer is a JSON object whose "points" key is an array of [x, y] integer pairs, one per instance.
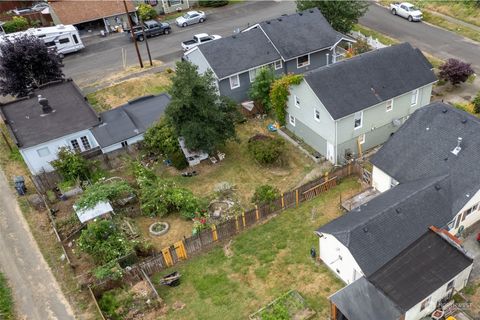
{"points": [[239, 52], [301, 33], [365, 80], [379, 230], [71, 113], [425, 266], [362, 301], [130, 119], [426, 141]]}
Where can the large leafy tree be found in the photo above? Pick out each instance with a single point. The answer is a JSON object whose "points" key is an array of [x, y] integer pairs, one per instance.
{"points": [[455, 71], [260, 89], [26, 63], [342, 15], [196, 111]]}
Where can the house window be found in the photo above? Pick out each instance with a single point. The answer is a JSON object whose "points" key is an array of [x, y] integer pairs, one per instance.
{"points": [[278, 64], [316, 114], [292, 120], [64, 40], [303, 61], [459, 218], [85, 143], [253, 74], [43, 152], [50, 43], [234, 82], [450, 285], [358, 119], [393, 182], [297, 102], [390, 105], [425, 303], [361, 139], [124, 144], [75, 145], [414, 98], [174, 2]]}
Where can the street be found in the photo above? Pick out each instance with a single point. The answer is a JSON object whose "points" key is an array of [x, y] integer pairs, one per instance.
{"points": [[36, 293], [436, 41]]}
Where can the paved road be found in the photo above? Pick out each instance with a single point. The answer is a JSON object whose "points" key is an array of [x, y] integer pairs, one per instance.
{"points": [[436, 41], [102, 58], [36, 293]]}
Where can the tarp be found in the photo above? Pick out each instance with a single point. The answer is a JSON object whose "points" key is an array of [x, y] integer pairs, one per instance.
{"points": [[100, 209]]}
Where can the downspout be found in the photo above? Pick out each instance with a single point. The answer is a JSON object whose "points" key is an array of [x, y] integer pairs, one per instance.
{"points": [[336, 146]]}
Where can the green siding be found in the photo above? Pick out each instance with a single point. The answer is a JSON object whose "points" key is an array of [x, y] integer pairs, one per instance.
{"points": [[309, 136]]}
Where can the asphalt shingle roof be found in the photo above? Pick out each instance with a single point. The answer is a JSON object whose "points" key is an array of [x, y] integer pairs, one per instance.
{"points": [[300, 33], [379, 230], [71, 113], [426, 141], [365, 80], [360, 300], [130, 119], [239, 52], [425, 266]]}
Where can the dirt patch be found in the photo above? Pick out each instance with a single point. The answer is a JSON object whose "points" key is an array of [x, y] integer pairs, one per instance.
{"points": [[227, 249]]}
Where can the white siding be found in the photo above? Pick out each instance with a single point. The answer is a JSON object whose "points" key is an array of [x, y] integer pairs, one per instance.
{"points": [[196, 57], [473, 217], [117, 146], [339, 259], [37, 164], [380, 180], [459, 283]]}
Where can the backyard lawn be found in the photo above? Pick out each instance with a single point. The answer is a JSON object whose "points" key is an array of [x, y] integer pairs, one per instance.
{"points": [[6, 300], [235, 280]]}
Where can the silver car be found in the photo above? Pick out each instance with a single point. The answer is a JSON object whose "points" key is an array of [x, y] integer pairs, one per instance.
{"points": [[191, 17]]}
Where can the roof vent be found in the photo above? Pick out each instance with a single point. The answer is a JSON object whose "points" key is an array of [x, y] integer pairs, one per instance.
{"points": [[311, 10], [437, 187], [44, 103], [268, 22], [365, 229], [279, 19], [445, 159], [300, 14], [284, 15], [444, 110], [458, 148], [234, 37], [397, 210], [464, 121]]}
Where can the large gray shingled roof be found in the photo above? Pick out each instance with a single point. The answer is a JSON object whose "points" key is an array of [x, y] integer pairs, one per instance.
{"points": [[365, 80], [71, 113]]}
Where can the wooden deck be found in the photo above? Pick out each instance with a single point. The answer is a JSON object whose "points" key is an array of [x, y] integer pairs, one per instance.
{"points": [[360, 199]]}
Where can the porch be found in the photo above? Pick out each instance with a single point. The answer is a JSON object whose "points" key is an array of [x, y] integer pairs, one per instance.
{"points": [[359, 199]]}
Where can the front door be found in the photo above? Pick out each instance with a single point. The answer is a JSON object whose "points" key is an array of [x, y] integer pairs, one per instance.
{"points": [[330, 153]]}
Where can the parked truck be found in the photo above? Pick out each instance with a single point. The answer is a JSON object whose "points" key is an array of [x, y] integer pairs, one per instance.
{"points": [[197, 40], [151, 28], [406, 10]]}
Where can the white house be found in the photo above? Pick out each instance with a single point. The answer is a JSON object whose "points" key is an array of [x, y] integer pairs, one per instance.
{"points": [[426, 177], [411, 286]]}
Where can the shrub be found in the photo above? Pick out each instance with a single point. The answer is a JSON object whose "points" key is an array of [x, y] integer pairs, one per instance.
{"points": [[178, 160], [476, 103], [265, 194], [146, 12], [260, 89], [212, 3], [266, 151], [71, 165], [361, 46], [455, 71], [15, 25], [279, 92], [102, 191]]}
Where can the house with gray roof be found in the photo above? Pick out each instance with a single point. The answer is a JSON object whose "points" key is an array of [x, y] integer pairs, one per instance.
{"points": [[293, 43], [126, 124], [409, 287], [345, 108], [426, 174]]}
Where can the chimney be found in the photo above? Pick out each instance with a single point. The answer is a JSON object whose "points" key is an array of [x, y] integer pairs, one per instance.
{"points": [[44, 103], [458, 148]]}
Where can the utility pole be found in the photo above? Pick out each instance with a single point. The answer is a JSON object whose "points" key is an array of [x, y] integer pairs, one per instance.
{"points": [[133, 34], [146, 42]]}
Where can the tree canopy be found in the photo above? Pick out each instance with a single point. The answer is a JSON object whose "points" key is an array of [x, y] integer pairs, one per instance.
{"points": [[27, 63], [196, 111], [341, 15]]}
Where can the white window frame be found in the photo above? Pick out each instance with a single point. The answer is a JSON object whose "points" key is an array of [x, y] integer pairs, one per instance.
{"points": [[425, 303], [415, 94], [361, 138], [291, 119], [84, 145], [238, 81], [252, 74], [316, 113], [41, 150], [305, 63], [361, 120], [275, 64], [389, 106], [296, 100]]}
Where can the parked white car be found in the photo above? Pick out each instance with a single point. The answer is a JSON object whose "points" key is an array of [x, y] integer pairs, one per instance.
{"points": [[191, 17], [198, 39], [406, 10]]}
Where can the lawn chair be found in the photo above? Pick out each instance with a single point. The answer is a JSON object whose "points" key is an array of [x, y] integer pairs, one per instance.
{"points": [[213, 160], [220, 155]]}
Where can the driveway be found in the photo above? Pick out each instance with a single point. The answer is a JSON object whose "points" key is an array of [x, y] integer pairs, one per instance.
{"points": [[473, 248], [36, 293]]}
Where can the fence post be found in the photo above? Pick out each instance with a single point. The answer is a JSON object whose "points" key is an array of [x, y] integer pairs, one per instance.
{"points": [[214, 232], [180, 249], [283, 202], [256, 212], [349, 169], [236, 224], [167, 256], [96, 303], [296, 196], [243, 218]]}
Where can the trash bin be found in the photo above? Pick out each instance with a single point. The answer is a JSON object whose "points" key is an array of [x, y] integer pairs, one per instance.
{"points": [[20, 185]]}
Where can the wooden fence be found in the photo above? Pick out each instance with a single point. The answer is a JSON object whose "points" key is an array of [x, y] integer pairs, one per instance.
{"points": [[206, 239]]}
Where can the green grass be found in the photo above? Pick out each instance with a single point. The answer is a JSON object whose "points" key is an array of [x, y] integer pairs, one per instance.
{"points": [[267, 261], [6, 300], [451, 26], [376, 35]]}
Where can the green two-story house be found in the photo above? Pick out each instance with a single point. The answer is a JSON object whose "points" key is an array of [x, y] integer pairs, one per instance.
{"points": [[348, 107]]}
